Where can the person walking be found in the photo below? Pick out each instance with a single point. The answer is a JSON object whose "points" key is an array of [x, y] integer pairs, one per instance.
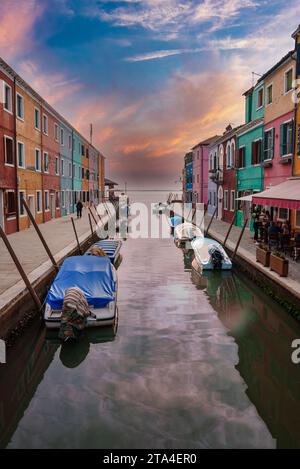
{"points": [[79, 207]]}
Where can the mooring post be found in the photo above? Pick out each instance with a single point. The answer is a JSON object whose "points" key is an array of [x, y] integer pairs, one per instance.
{"points": [[39, 233], [91, 226], [229, 229], [21, 270], [76, 236], [210, 221], [96, 223], [240, 239]]}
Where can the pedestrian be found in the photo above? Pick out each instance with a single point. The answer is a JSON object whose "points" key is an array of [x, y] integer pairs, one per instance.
{"points": [[79, 207], [256, 224]]}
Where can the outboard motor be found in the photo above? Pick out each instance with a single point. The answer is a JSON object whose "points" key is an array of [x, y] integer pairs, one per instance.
{"points": [[216, 257]]}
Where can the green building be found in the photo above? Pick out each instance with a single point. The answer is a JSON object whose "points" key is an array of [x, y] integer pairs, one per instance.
{"points": [[249, 172]]}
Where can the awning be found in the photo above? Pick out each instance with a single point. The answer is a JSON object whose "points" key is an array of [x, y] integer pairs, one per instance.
{"points": [[284, 195], [246, 198]]}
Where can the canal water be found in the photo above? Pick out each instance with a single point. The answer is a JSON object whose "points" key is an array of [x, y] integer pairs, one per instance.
{"points": [[197, 362]]}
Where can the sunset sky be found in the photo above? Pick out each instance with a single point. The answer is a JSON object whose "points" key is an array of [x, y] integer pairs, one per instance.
{"points": [[153, 76]]}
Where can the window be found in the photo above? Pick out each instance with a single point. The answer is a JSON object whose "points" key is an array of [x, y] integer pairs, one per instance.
{"points": [[288, 81], [56, 165], [37, 159], [241, 158], [283, 214], [21, 155], [70, 142], [269, 144], [215, 198], [22, 211], [20, 106], [87, 154], [70, 170], [256, 152], [62, 167], [228, 156], [37, 119], [269, 95], [87, 174], [7, 98], [226, 200], [260, 98], [9, 151], [82, 173], [38, 201], [46, 197], [286, 138], [56, 132], [62, 136], [62, 198], [10, 203], [57, 200], [82, 150], [298, 218], [232, 201], [73, 172], [45, 124], [79, 172], [298, 140], [46, 162], [198, 178]]}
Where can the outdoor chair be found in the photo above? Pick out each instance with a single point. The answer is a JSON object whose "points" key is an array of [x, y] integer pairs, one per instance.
{"points": [[296, 251], [286, 243], [274, 241]]}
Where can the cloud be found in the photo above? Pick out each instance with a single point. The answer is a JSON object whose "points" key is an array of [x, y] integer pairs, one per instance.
{"points": [[17, 20]]}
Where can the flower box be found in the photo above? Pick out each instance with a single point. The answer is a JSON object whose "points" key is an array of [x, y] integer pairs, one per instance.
{"points": [[263, 257], [279, 265]]}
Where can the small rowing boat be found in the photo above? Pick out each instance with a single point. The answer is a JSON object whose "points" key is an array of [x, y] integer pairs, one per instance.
{"points": [[111, 247], [185, 233], [209, 255]]}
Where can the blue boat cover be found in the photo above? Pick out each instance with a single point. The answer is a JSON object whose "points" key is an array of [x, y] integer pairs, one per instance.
{"points": [[94, 275], [176, 220]]}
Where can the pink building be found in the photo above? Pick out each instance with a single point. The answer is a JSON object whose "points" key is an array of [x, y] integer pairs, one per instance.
{"points": [[200, 170]]}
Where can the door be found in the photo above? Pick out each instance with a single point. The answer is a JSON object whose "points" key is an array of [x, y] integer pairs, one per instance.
{"points": [[52, 205], [1, 209], [220, 203], [31, 205]]}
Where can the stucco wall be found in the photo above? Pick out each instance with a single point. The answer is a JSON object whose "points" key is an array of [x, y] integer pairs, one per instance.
{"points": [[282, 103]]}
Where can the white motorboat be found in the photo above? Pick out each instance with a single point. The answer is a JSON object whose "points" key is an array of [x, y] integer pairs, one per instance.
{"points": [[209, 255], [185, 233]]}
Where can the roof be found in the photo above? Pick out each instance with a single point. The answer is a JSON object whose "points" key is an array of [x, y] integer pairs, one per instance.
{"points": [[250, 91], [93, 275], [284, 195], [281, 62], [109, 182], [206, 142], [244, 128], [295, 33], [228, 135]]}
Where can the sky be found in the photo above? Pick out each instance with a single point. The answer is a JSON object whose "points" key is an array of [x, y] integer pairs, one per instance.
{"points": [[154, 77]]}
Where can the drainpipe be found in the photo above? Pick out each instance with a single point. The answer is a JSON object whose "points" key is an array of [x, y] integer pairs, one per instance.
{"points": [[16, 156]]}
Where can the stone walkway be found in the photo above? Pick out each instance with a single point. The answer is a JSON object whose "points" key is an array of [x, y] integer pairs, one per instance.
{"points": [[247, 247], [30, 251]]}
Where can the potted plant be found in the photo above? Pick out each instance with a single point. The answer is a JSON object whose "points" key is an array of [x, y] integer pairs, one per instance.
{"points": [[279, 263], [263, 254]]}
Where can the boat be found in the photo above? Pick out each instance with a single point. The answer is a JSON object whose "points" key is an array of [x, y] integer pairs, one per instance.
{"points": [[175, 220], [97, 278], [185, 233], [209, 255], [111, 247], [159, 208]]}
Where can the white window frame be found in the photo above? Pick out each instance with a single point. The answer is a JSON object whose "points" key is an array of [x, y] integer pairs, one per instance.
{"points": [[41, 204], [62, 167], [39, 114], [62, 137], [228, 156], [262, 100], [45, 119], [57, 206], [56, 132], [70, 170], [298, 226], [288, 214], [232, 198], [63, 199], [46, 153], [21, 118], [266, 94], [267, 131], [23, 144], [226, 193], [11, 165], [291, 69], [35, 150], [47, 193], [21, 191], [57, 166], [291, 153], [70, 142], [13, 217], [10, 111]]}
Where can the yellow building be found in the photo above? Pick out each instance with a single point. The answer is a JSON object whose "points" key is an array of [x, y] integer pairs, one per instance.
{"points": [[296, 167], [29, 154]]}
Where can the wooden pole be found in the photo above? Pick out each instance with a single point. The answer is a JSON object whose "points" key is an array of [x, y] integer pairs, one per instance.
{"points": [[230, 228], [96, 223], [210, 221], [240, 239], [91, 226], [39, 233], [76, 236], [21, 270]]}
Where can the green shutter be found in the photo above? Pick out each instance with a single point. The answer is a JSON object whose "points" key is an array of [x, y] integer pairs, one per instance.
{"points": [[273, 143], [282, 139]]}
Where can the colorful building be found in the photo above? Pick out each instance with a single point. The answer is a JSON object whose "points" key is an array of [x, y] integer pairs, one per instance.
{"points": [[200, 170], [8, 173], [295, 216], [214, 175], [249, 175], [43, 159], [188, 175]]}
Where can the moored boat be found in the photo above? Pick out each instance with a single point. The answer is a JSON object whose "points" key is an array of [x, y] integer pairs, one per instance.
{"points": [[111, 247], [96, 277], [209, 255], [185, 233]]}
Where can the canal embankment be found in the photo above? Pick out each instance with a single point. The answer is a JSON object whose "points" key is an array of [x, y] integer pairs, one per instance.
{"points": [[284, 290], [16, 304]]}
